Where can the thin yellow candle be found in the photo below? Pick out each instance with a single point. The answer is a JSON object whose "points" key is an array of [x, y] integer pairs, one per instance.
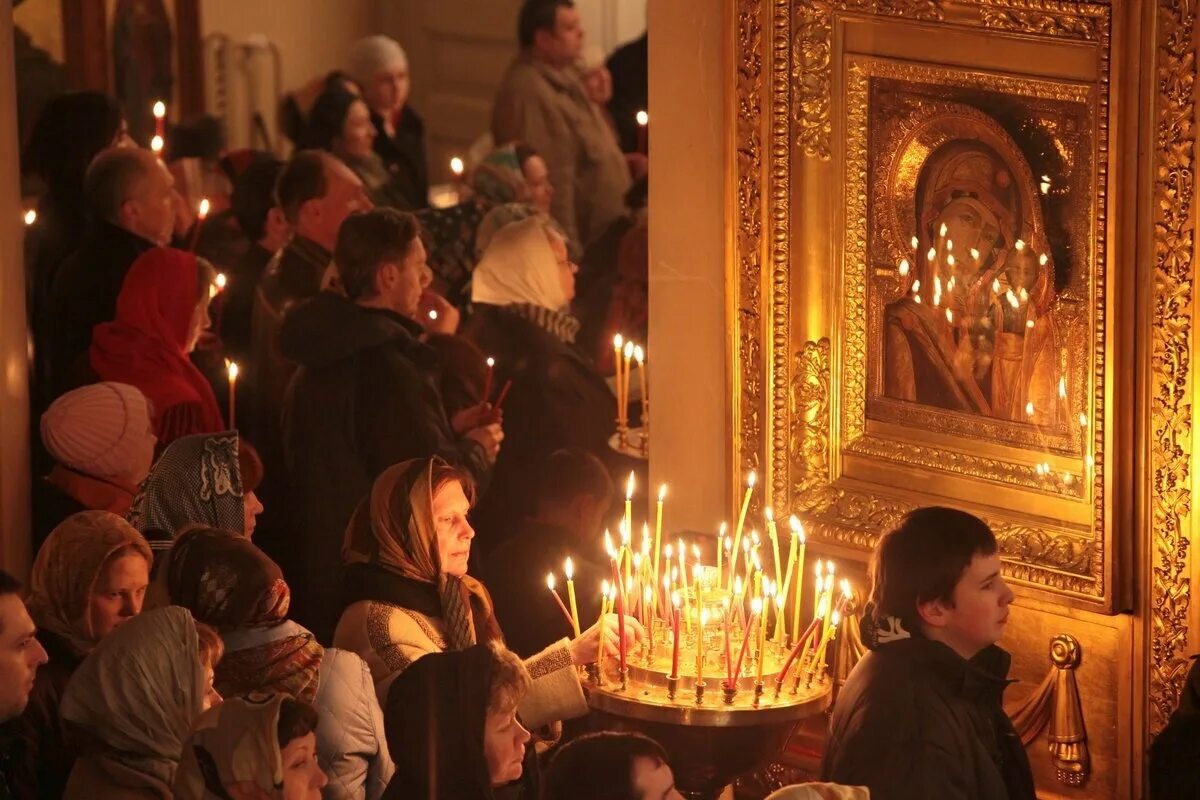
{"points": [[627, 357], [781, 624], [741, 524], [798, 534], [819, 660], [626, 550], [569, 571], [700, 646], [640, 356], [773, 535], [629, 487], [683, 584], [618, 344], [658, 516], [720, 552], [757, 607], [820, 573], [829, 584]]}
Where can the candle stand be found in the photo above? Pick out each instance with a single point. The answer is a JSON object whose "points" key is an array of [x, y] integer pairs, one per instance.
{"points": [[713, 732]]}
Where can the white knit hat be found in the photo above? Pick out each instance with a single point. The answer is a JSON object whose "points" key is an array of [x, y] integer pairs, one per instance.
{"points": [[370, 55], [99, 429]]}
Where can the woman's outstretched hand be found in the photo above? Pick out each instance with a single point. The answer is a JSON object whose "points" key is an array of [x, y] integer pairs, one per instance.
{"points": [[587, 648]]}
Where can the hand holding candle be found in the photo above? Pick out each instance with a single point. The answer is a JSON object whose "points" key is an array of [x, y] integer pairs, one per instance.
{"points": [[201, 214]]}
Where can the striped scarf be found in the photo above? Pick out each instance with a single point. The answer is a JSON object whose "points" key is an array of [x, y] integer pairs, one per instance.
{"points": [[561, 324]]}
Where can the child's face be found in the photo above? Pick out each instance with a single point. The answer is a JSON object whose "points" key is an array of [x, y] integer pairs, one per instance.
{"points": [[980, 610]]}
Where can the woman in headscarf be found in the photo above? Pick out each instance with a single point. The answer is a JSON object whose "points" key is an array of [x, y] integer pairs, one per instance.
{"points": [[408, 594], [380, 67], [199, 480], [228, 583], [102, 444], [452, 718], [522, 292], [161, 311], [133, 702], [90, 576], [449, 233], [261, 747]]}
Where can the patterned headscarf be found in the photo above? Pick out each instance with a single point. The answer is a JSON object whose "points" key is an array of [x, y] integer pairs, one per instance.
{"points": [[67, 568], [140, 691], [196, 481], [234, 752], [499, 179], [228, 583], [394, 529]]}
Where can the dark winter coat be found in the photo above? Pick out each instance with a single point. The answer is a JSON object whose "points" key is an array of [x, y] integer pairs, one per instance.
{"points": [[84, 294], [557, 400], [46, 751], [915, 721], [404, 157], [364, 397], [1176, 750]]}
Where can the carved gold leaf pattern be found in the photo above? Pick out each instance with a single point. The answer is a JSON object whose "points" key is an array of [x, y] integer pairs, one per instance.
{"points": [[1171, 367], [781, 266], [1067, 20]]}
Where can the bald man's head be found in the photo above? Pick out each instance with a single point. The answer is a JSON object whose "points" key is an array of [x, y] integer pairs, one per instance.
{"points": [[317, 192], [130, 188]]}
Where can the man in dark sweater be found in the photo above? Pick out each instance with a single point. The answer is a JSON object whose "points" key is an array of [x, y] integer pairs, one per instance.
{"points": [[364, 397], [131, 205], [920, 716]]}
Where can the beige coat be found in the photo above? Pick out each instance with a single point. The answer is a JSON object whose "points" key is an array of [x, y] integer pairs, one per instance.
{"points": [[390, 638], [547, 109]]}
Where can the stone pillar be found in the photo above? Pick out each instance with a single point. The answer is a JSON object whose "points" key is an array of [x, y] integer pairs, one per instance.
{"points": [[690, 339], [14, 362]]}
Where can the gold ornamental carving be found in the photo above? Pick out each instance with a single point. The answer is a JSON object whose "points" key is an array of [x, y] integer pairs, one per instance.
{"points": [[1055, 704], [1171, 352]]}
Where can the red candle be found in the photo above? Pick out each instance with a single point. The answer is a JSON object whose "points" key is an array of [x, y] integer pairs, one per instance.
{"points": [[737, 671], [567, 614], [620, 614], [487, 380], [803, 640], [675, 634]]}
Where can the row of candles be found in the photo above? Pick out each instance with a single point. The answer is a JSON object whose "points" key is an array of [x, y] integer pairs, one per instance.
{"points": [[626, 351], [747, 598]]}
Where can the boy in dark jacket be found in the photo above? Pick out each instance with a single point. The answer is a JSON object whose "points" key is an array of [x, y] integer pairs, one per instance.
{"points": [[920, 716]]}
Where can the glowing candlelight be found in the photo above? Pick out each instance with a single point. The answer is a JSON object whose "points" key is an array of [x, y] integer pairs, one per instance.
{"points": [[916, 286], [974, 254], [1019, 244], [762, 635], [488, 376], [1029, 409], [755, 611], [457, 167], [201, 214], [700, 646], [995, 286], [159, 109], [231, 370], [639, 355], [1083, 420], [618, 346], [949, 316], [643, 121], [751, 479], [721, 551], [773, 535], [643, 118], [904, 267], [569, 571], [1062, 387], [949, 245], [550, 584], [30, 217], [932, 254], [942, 230], [1043, 259], [915, 242]]}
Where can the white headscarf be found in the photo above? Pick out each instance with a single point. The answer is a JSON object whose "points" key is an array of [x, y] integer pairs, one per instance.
{"points": [[519, 267], [372, 54]]}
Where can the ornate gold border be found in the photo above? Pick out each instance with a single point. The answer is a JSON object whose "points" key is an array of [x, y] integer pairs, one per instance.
{"points": [[1171, 332]]}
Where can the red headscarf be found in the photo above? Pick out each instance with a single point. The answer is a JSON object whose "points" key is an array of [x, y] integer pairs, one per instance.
{"points": [[144, 345]]}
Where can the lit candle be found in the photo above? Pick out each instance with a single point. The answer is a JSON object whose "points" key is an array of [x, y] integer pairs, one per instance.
{"points": [[618, 345], [626, 359], [569, 571], [456, 168], [796, 650], [159, 109], [798, 536], [737, 534], [201, 214], [755, 609], [629, 486], [658, 517], [550, 585], [675, 635], [156, 145], [827, 600], [773, 535], [487, 376], [639, 355], [626, 551], [762, 635], [830, 629], [620, 622], [700, 646], [728, 647], [683, 585], [30, 217], [231, 369], [643, 122]]}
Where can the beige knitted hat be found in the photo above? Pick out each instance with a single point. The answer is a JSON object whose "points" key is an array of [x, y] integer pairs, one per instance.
{"points": [[101, 430]]}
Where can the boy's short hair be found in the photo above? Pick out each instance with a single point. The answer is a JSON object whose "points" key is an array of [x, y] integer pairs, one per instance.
{"points": [[368, 240], [598, 766], [923, 558]]}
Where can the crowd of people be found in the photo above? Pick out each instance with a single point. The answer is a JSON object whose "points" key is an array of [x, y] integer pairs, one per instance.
{"points": [[294, 604]]}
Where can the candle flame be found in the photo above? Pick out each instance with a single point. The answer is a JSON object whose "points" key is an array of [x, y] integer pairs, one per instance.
{"points": [[738, 585], [1083, 420], [974, 253], [845, 586], [916, 287], [703, 617], [904, 267], [648, 594], [950, 259], [996, 286], [769, 513], [637, 560], [728, 543], [30, 217], [608, 544], [751, 479], [569, 568], [550, 582], [915, 242], [629, 585], [942, 230], [1045, 187], [831, 568], [668, 551], [1023, 295], [1012, 299], [221, 281], [675, 600], [433, 315], [917, 299], [203, 208], [626, 536], [156, 144], [754, 538], [1043, 258], [696, 551], [628, 350], [820, 568], [931, 254], [1029, 408], [159, 109], [1062, 387], [1019, 244], [950, 284], [491, 362], [756, 605], [618, 342], [696, 569], [836, 618], [232, 368], [1029, 324], [746, 545], [629, 484], [1068, 478], [456, 166], [643, 118], [949, 316], [797, 527], [639, 355], [604, 588], [756, 561], [949, 245]]}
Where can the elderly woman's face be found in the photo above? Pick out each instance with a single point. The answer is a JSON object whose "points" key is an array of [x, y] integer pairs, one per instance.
{"points": [[454, 533], [388, 92]]}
